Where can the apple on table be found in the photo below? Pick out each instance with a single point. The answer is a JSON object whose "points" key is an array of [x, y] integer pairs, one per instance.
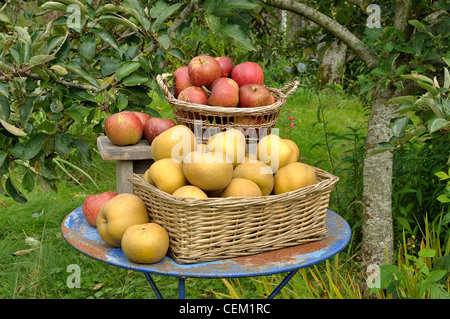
{"points": [[119, 213], [93, 204]]}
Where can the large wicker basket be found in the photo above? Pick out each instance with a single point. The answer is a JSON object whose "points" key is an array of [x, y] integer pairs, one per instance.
{"points": [[207, 120], [216, 228]]}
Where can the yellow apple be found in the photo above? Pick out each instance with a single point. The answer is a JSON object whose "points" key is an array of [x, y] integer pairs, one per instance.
{"points": [[167, 174], [275, 152], [230, 142], [121, 212], [145, 243], [294, 176]]}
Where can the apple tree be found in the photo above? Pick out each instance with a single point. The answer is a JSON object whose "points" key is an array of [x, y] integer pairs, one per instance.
{"points": [[66, 64], [395, 39]]}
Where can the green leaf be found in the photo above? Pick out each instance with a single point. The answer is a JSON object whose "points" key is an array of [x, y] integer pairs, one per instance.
{"points": [[76, 3], [164, 40], [426, 252], [418, 78], [441, 175], [437, 124], [12, 191], [12, 129], [77, 112], [84, 149], [420, 26], [134, 79], [26, 109], [28, 181], [24, 36], [87, 50], [108, 38], [62, 144], [404, 223], [117, 19], [399, 125], [407, 107], [446, 78], [403, 99], [4, 108], [213, 23], [77, 69], [240, 35], [165, 14], [51, 5], [240, 4], [126, 69], [122, 102], [33, 146], [380, 148], [40, 59], [107, 8]]}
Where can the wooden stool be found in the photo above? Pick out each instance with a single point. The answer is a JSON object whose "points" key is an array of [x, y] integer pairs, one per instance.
{"points": [[129, 159]]}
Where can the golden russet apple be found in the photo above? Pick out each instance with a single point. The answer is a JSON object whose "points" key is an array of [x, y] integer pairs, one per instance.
{"points": [[294, 176], [275, 152], [167, 175], [121, 212], [230, 142], [190, 191], [241, 187], [208, 171], [145, 243], [258, 172], [174, 143]]}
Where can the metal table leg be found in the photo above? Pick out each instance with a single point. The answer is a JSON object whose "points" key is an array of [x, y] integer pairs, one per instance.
{"points": [[282, 284], [154, 287]]}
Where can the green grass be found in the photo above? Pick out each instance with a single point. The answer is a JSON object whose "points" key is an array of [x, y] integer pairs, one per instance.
{"points": [[42, 273]]}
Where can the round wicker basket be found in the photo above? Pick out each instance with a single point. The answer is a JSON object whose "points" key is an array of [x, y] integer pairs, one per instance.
{"points": [[216, 228], [205, 120]]}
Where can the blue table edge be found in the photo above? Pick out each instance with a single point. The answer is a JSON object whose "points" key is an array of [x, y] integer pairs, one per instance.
{"points": [[118, 259]]}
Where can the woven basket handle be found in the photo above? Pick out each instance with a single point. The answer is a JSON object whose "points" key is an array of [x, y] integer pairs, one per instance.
{"points": [[292, 87]]}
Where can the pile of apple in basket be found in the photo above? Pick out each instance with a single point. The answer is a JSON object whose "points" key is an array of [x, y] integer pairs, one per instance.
{"points": [[222, 167]]}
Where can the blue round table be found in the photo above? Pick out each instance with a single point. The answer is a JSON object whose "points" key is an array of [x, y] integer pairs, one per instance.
{"points": [[84, 238]]}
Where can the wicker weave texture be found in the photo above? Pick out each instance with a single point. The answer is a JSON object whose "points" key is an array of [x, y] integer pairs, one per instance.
{"points": [[216, 228]]}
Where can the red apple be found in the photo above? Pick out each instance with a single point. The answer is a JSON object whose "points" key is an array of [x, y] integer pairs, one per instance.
{"points": [[253, 95], [193, 94], [92, 205], [124, 128], [181, 79], [226, 65], [249, 120], [203, 70], [224, 92], [144, 117], [271, 100], [156, 126], [247, 73]]}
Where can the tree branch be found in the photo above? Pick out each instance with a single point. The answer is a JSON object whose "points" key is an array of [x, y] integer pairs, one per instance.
{"points": [[183, 15], [60, 82], [339, 31]]}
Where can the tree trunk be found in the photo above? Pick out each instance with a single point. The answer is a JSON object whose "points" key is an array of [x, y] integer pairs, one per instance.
{"points": [[334, 58], [377, 228]]}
